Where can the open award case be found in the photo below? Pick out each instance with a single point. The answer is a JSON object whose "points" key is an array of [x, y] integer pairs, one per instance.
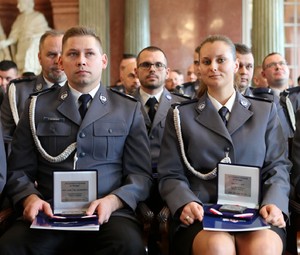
{"points": [[73, 191], [238, 200]]}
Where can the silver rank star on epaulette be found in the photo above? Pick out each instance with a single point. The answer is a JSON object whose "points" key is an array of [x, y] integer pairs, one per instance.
{"points": [[103, 99], [39, 86]]}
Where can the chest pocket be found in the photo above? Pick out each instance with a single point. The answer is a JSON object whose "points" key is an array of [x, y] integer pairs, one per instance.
{"points": [[55, 136], [109, 139]]}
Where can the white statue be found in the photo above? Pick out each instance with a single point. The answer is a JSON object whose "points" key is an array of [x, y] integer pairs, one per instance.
{"points": [[4, 53], [24, 37]]}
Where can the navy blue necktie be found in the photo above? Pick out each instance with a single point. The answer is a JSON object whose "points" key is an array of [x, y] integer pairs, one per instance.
{"points": [[84, 99], [55, 86], [223, 112], [151, 104]]}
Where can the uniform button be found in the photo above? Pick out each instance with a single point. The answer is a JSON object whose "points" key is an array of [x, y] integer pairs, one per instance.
{"points": [[82, 135], [110, 130], [151, 136], [82, 154]]}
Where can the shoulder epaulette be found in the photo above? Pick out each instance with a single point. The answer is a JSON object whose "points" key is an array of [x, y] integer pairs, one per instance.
{"points": [[180, 95], [262, 91], [22, 79], [293, 90], [41, 92], [185, 102], [188, 84], [259, 98], [123, 94]]}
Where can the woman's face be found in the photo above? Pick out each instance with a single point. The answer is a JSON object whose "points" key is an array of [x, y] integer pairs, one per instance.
{"points": [[217, 66]]}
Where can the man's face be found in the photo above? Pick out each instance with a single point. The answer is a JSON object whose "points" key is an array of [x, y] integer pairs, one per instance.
{"points": [[173, 81], [83, 62], [197, 65], [245, 71], [130, 79], [152, 78], [276, 71], [6, 77], [124, 62], [48, 56], [191, 76]]}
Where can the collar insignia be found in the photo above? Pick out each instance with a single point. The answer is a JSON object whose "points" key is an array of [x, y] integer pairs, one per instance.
{"points": [[244, 103], [103, 99], [39, 86], [64, 95], [201, 106]]}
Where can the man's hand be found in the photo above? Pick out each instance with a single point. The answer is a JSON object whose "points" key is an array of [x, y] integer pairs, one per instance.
{"points": [[273, 215], [191, 212], [32, 205], [104, 207]]}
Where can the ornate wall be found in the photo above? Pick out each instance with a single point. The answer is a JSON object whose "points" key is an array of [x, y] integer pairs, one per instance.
{"points": [[176, 26]]}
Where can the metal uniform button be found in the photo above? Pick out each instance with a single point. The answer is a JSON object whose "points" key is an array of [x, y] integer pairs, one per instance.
{"points": [[151, 137], [110, 130], [82, 135], [82, 154]]}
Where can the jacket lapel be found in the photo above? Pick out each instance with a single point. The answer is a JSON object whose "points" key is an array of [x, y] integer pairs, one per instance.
{"points": [[68, 107], [98, 107], [209, 117], [240, 113], [163, 107]]}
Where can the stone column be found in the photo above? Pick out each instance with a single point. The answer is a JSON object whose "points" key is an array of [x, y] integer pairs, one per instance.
{"points": [[137, 26], [267, 29], [95, 14]]}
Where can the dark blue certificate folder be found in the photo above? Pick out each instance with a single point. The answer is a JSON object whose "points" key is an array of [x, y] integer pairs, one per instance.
{"points": [[234, 225], [72, 223]]}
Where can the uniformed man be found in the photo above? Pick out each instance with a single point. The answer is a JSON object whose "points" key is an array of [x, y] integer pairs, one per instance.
{"points": [[246, 66], [19, 91], [152, 71], [105, 132]]}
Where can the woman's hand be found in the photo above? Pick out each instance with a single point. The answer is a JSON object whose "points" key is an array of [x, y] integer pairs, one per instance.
{"points": [[273, 215], [191, 212]]}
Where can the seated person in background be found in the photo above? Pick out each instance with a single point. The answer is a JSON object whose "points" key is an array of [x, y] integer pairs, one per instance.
{"points": [[8, 72], [19, 91], [190, 88], [190, 74], [245, 72], [258, 80], [173, 81], [249, 133], [127, 58], [111, 138], [129, 78]]}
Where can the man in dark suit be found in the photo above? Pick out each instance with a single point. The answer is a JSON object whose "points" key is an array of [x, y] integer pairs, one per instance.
{"points": [[20, 89], [106, 133]]}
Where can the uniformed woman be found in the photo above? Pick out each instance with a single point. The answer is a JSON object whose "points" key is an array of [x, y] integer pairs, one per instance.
{"points": [[196, 139]]}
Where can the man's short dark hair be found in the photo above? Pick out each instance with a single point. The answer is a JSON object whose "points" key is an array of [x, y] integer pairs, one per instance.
{"points": [[151, 49], [6, 65], [242, 49]]}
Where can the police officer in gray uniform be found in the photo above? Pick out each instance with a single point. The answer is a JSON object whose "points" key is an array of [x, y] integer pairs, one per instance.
{"points": [[61, 130], [20, 89]]}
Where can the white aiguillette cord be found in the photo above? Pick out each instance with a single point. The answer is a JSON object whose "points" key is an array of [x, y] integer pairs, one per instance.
{"points": [[208, 176], [59, 158]]}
